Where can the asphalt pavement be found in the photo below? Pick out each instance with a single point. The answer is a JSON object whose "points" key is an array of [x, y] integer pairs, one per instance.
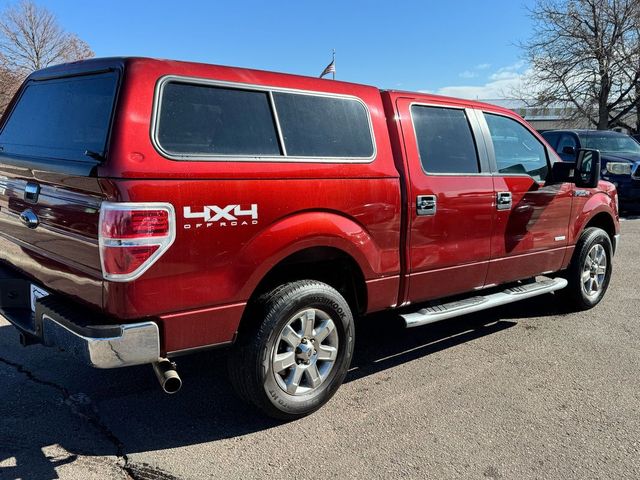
{"points": [[522, 391]]}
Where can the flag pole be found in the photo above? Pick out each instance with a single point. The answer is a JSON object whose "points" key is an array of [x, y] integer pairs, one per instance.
{"points": [[334, 64]]}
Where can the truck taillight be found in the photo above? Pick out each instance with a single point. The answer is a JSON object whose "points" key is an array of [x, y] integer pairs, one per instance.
{"points": [[133, 236]]}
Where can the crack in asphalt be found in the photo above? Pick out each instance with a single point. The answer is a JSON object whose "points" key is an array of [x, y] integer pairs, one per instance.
{"points": [[75, 402], [82, 406]]}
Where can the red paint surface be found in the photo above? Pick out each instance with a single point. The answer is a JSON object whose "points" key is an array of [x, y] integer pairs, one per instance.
{"points": [[198, 288], [211, 326]]}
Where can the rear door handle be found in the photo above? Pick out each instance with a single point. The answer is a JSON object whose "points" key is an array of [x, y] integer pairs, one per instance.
{"points": [[426, 204], [503, 201]]}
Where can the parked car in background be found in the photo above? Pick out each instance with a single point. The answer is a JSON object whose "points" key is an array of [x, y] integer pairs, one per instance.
{"points": [[620, 158]]}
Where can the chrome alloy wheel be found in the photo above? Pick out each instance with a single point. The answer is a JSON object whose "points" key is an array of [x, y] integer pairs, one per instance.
{"points": [[305, 352], [594, 271]]}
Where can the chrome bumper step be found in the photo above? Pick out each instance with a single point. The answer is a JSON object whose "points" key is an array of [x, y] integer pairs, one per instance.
{"points": [[443, 311]]}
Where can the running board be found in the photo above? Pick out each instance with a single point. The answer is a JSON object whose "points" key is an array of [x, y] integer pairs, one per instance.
{"points": [[442, 311]]}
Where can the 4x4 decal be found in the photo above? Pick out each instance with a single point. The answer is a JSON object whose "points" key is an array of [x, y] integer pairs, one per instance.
{"points": [[227, 216]]}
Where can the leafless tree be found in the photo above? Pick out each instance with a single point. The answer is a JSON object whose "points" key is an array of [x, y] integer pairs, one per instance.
{"points": [[9, 82], [30, 39], [585, 54]]}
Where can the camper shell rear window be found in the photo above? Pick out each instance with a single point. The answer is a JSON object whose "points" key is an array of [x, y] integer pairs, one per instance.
{"points": [[64, 118], [204, 120]]}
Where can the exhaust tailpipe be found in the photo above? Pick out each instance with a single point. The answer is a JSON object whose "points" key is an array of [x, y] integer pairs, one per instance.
{"points": [[167, 375]]}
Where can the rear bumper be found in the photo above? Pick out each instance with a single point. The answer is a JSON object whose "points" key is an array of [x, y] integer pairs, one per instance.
{"points": [[72, 328], [136, 344]]}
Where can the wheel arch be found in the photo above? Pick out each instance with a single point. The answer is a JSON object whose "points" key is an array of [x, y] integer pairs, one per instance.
{"points": [[598, 211], [329, 265], [604, 221], [323, 246]]}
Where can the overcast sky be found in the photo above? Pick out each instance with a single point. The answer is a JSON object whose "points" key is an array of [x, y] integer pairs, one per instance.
{"points": [[461, 48]]}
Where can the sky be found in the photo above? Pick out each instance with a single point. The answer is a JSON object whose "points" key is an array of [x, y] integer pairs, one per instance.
{"points": [[462, 48]]}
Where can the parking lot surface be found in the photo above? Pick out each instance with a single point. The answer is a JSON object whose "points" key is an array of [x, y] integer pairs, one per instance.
{"points": [[522, 391]]}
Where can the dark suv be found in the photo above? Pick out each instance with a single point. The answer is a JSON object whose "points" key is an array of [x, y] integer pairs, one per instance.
{"points": [[620, 158]]}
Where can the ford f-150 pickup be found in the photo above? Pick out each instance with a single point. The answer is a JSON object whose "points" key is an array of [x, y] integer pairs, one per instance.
{"points": [[153, 208]]}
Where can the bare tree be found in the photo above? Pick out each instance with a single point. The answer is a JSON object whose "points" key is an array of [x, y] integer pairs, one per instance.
{"points": [[585, 54], [31, 39], [9, 82]]}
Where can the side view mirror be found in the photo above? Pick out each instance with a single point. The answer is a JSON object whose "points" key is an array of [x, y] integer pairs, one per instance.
{"points": [[562, 172], [588, 166], [569, 150]]}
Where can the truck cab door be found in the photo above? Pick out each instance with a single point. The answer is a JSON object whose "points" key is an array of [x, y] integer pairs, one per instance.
{"points": [[450, 199], [532, 214]]}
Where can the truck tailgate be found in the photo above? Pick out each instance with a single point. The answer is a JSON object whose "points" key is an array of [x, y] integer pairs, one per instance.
{"points": [[53, 137], [61, 251]]}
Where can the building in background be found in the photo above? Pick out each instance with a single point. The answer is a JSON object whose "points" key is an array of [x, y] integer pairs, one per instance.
{"points": [[552, 117], [544, 118]]}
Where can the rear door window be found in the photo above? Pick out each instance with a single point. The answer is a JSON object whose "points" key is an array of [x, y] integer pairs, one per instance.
{"points": [[445, 140], [62, 118]]}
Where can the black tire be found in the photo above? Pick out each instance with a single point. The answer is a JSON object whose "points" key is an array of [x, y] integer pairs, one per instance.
{"points": [[574, 293], [250, 362]]}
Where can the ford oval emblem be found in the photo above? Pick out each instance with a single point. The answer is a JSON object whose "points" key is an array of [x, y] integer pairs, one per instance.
{"points": [[29, 218]]}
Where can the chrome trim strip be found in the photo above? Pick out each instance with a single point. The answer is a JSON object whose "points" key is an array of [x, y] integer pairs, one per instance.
{"points": [[509, 295], [139, 343], [63, 234], [18, 188], [157, 105]]}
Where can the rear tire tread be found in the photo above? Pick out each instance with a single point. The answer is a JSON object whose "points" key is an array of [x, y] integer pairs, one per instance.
{"points": [[246, 367]]}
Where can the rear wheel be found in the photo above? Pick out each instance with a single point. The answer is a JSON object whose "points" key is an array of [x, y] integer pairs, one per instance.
{"points": [[296, 358], [590, 270]]}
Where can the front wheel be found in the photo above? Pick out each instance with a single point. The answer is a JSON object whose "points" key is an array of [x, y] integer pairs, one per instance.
{"points": [[590, 270], [298, 355]]}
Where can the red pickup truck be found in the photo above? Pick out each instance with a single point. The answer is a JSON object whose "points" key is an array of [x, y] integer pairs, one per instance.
{"points": [[153, 208]]}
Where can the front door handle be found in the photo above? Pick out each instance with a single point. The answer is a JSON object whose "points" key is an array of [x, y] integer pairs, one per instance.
{"points": [[426, 204], [504, 201]]}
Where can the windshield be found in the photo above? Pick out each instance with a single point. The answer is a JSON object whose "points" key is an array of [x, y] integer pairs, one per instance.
{"points": [[610, 143], [62, 118]]}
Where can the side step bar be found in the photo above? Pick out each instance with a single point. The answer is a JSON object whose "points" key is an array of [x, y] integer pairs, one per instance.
{"points": [[442, 311]]}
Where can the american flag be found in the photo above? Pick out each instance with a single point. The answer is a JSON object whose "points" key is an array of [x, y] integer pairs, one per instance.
{"points": [[331, 68]]}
